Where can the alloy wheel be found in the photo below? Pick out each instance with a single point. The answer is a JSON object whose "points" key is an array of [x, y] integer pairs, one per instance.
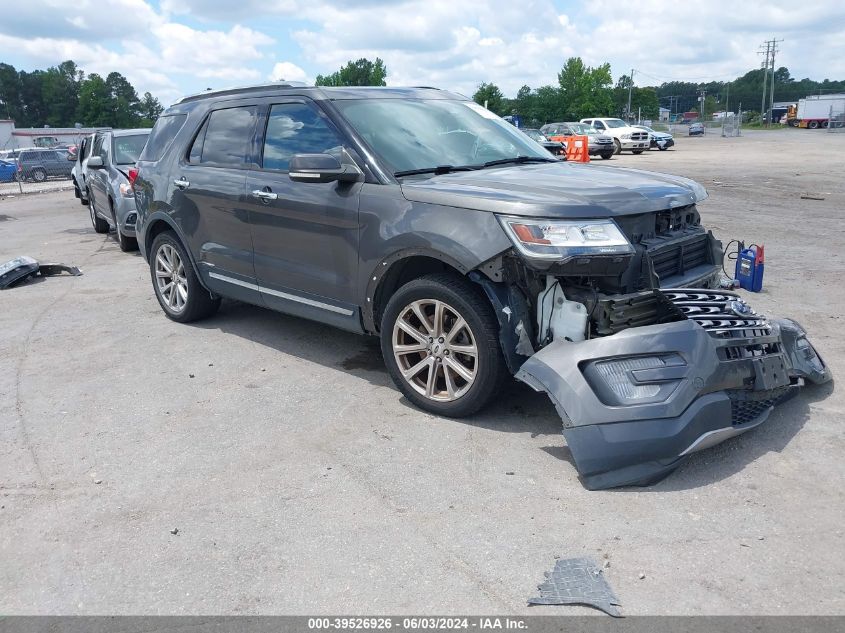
{"points": [[171, 282], [435, 350]]}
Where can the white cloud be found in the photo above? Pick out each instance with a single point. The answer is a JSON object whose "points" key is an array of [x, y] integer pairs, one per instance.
{"points": [[288, 71]]}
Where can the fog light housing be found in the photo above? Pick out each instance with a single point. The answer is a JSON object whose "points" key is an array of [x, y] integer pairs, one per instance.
{"points": [[131, 219], [636, 379]]}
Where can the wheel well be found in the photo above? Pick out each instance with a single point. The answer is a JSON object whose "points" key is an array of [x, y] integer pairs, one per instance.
{"points": [[159, 226], [402, 272]]}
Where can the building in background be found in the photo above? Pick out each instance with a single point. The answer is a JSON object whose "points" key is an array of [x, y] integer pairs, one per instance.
{"points": [[14, 138]]}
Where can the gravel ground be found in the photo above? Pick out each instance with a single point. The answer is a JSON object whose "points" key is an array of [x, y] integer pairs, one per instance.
{"points": [[298, 480]]}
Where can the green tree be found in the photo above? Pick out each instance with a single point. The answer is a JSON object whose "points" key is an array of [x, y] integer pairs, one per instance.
{"points": [[359, 73], [150, 109], [125, 104], [95, 102], [490, 93], [60, 93], [585, 91]]}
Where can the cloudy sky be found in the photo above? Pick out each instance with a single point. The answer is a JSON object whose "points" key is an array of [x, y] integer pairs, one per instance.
{"points": [[173, 47]]}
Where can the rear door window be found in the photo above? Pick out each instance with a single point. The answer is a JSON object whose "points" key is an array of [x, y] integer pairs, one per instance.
{"points": [[227, 137], [163, 133], [298, 128]]}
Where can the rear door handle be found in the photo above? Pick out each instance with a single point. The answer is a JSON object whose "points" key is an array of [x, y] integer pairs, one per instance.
{"points": [[265, 195], [181, 183]]}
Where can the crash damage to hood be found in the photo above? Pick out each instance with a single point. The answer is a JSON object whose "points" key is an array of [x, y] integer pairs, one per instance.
{"points": [[557, 190]]}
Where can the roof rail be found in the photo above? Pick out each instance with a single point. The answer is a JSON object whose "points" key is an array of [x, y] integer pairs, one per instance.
{"points": [[237, 89], [426, 87]]}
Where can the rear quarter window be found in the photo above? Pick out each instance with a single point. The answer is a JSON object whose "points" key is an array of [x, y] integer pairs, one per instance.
{"points": [[164, 131]]}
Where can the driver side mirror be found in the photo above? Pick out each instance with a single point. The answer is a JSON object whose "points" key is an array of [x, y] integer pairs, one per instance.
{"points": [[321, 168], [95, 162]]}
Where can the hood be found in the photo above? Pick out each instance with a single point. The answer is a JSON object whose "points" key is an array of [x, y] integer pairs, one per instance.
{"points": [[556, 190]]}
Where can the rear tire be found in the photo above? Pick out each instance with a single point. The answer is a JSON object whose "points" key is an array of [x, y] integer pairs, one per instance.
{"points": [[458, 317], [177, 288], [38, 175], [813, 125], [606, 155]]}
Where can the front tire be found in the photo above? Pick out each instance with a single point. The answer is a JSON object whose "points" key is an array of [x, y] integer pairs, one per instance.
{"points": [[179, 292], [127, 244], [662, 148], [617, 146], [100, 225], [637, 151], [606, 155], [440, 342]]}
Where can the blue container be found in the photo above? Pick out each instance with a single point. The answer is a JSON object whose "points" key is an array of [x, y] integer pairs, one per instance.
{"points": [[750, 267]]}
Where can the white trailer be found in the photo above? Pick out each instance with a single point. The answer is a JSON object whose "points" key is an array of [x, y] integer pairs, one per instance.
{"points": [[814, 111]]}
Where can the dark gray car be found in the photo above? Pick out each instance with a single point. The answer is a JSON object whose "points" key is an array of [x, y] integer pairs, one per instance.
{"points": [[111, 200], [417, 216]]}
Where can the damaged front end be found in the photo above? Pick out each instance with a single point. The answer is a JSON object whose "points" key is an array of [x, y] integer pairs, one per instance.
{"points": [[644, 357], [637, 402]]}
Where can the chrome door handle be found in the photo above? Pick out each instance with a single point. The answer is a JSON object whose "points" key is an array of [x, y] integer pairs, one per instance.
{"points": [[181, 183], [265, 195]]}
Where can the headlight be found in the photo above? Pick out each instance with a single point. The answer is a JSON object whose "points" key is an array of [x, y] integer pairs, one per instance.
{"points": [[126, 190], [565, 239], [625, 136]]}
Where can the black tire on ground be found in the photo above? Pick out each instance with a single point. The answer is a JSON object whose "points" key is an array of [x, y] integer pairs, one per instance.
{"points": [[470, 303], [38, 175], [662, 148], [637, 151], [100, 225], [606, 155], [813, 125], [617, 146], [199, 303]]}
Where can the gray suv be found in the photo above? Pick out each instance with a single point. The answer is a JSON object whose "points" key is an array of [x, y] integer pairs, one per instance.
{"points": [[107, 187], [419, 217]]}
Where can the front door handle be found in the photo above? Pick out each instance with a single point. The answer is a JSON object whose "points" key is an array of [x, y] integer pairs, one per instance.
{"points": [[181, 183], [266, 196]]}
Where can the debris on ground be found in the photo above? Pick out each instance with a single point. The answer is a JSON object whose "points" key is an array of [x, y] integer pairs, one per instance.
{"points": [[807, 196], [24, 268], [642, 576], [577, 581], [98, 481], [174, 531]]}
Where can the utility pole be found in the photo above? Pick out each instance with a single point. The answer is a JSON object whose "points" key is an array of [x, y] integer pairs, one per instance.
{"points": [[702, 95], [772, 83], [765, 66], [630, 87]]}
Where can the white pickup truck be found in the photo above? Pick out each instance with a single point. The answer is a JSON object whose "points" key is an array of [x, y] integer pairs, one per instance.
{"points": [[625, 137]]}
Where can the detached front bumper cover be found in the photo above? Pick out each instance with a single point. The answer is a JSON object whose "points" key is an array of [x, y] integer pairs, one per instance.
{"points": [[637, 403]]}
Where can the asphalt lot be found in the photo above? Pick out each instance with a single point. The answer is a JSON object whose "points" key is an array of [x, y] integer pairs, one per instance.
{"points": [[301, 482]]}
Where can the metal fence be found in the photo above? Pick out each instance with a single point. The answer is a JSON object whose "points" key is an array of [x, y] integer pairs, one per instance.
{"points": [[836, 120], [15, 187]]}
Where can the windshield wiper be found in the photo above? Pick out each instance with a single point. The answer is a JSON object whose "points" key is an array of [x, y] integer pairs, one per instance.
{"points": [[440, 169], [520, 159]]}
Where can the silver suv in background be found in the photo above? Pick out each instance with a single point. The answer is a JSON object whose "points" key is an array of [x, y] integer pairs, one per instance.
{"points": [[108, 190]]}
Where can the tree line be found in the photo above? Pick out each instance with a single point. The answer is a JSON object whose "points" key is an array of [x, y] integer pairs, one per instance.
{"points": [[63, 95], [583, 91]]}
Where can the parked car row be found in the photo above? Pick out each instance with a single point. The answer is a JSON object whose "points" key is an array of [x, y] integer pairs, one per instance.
{"points": [[34, 164], [101, 177]]}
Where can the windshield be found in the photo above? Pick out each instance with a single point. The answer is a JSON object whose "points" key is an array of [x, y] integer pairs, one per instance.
{"points": [[423, 134], [615, 123], [646, 128], [583, 128], [127, 149]]}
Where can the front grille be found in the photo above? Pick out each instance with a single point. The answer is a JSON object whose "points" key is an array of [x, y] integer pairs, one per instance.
{"points": [[748, 406], [639, 136], [604, 141], [678, 257], [722, 313]]}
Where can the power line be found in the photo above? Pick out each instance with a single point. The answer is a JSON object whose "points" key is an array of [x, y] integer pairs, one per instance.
{"points": [[768, 67]]}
